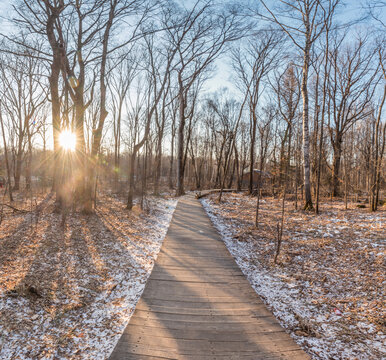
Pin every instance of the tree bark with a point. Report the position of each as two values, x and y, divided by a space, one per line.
336 167
306 137
6 158
252 149
180 145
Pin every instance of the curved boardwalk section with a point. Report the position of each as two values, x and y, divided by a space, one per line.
197 304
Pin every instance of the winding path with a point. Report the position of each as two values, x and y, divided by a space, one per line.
197 304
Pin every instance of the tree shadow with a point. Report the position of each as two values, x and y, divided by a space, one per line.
198 305
70 269
18 248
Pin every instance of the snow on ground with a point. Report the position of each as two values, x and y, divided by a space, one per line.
68 293
328 290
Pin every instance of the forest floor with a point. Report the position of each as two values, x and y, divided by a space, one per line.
68 292
328 288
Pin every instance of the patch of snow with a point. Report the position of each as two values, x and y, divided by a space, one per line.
91 331
287 302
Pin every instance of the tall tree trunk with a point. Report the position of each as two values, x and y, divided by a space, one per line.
336 167
81 162
55 114
252 150
97 134
379 150
306 137
133 156
158 152
28 163
237 166
171 163
180 147
6 157
232 175
117 146
17 176
116 167
379 164
319 163
158 165
131 179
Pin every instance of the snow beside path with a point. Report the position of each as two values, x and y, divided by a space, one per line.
69 294
316 316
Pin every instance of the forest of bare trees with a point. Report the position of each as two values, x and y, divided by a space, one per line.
304 109
192 179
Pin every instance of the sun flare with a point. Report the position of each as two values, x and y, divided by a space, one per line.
67 140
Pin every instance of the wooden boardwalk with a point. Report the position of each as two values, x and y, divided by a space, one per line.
197 304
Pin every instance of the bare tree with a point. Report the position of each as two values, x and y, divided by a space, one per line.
6 156
379 136
199 34
376 9
252 63
229 114
351 87
22 98
113 14
156 90
120 80
308 21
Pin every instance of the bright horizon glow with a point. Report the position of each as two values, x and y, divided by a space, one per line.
67 140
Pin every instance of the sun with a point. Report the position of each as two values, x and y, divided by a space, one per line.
67 140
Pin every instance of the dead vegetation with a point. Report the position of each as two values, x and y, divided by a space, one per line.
331 265
68 292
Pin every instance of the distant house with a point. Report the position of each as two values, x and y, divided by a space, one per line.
258 175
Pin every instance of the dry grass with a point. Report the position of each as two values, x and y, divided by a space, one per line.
335 260
68 292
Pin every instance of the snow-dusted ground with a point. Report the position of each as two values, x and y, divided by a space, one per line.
332 304
68 294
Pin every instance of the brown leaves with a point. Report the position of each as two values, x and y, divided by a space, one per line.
335 260
68 291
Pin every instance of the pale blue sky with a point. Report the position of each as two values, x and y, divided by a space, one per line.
222 77
352 10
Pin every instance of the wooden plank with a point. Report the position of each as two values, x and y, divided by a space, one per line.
198 305
268 325
204 345
214 310
204 304
211 335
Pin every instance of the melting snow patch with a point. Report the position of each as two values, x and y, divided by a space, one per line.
317 327
91 277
